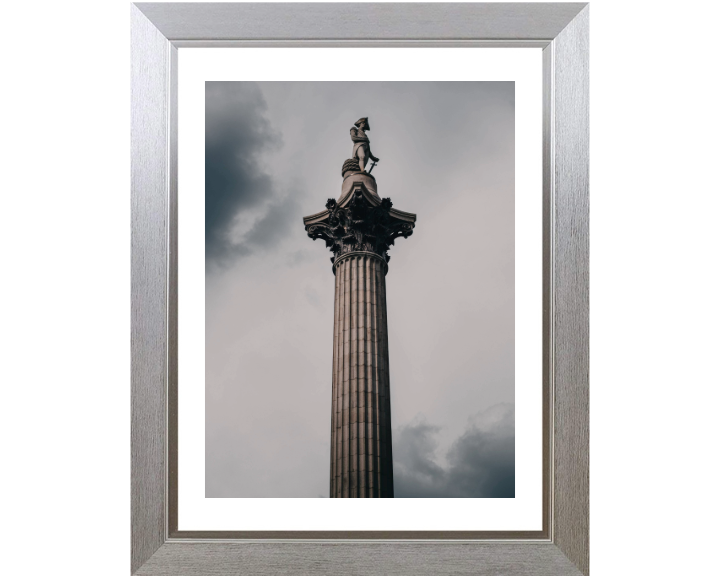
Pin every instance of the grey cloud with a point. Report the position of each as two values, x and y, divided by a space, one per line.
268 229
480 463
415 470
237 133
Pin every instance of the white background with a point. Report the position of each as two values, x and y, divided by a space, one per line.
524 511
64 221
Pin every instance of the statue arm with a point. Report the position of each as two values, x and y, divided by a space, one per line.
355 138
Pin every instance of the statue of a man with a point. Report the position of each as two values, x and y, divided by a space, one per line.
361 147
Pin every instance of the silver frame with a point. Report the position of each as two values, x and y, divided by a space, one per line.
157 31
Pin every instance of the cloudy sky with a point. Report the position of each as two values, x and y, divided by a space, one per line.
273 155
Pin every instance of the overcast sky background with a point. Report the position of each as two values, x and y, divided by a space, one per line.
273 155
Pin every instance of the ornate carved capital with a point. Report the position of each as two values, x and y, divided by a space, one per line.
360 222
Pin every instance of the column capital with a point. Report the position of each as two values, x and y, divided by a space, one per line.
359 222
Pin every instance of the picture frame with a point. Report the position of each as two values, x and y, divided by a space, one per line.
158 30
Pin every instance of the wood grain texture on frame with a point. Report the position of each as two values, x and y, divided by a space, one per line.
157 31
570 242
150 185
351 22
333 558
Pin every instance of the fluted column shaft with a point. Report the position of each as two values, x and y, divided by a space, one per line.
361 443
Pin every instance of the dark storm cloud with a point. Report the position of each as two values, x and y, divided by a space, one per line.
266 232
480 463
237 133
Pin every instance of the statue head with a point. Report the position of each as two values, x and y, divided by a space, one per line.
362 121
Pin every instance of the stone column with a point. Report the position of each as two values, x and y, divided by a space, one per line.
361 441
359 228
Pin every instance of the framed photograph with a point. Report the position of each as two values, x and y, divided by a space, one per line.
450 277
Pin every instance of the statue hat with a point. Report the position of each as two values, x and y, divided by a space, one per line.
367 124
